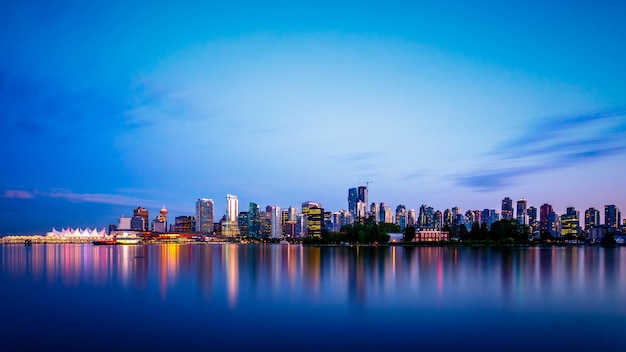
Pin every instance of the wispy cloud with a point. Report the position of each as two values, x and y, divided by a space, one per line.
550 143
113 199
17 194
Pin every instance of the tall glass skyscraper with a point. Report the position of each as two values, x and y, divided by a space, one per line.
612 217
204 215
522 216
507 208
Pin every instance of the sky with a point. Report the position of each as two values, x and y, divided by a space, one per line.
107 105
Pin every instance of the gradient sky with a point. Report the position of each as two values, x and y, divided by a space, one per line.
105 106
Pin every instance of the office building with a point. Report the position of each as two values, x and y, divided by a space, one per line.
204 215
143 213
507 208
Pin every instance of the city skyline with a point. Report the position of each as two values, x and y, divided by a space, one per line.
107 106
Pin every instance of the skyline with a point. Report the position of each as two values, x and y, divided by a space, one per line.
109 106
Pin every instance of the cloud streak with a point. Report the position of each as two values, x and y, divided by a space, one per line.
551 143
101 198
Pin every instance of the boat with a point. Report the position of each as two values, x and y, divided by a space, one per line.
104 242
127 239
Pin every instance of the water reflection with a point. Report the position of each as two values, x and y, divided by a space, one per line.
353 276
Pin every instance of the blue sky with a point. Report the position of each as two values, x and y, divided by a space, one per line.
105 106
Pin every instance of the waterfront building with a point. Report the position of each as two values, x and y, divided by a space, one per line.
230 226
346 218
544 212
204 215
182 223
612 218
507 208
143 213
137 223
412 217
401 217
301 224
570 223
448 218
592 219
374 211
276 228
426 217
522 215
353 198
255 223
242 222
533 222
554 224
314 215
431 235
266 225
124 223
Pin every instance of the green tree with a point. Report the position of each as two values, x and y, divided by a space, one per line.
409 233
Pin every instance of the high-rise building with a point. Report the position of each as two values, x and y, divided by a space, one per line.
182 224
230 225
374 211
401 216
570 223
137 223
232 207
554 224
448 218
533 222
353 198
276 228
143 213
592 219
426 217
412 217
544 212
242 222
612 217
124 223
522 215
507 208
314 215
255 221
204 215
357 203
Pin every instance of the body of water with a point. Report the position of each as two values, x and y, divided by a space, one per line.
284 297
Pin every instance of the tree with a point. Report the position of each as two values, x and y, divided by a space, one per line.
409 233
463 233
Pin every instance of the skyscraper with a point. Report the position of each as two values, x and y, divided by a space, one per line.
533 223
544 212
612 217
507 208
522 216
143 213
276 230
353 198
570 223
230 226
592 219
401 216
204 215
314 215
255 222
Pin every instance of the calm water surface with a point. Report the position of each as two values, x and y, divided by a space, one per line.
236 297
